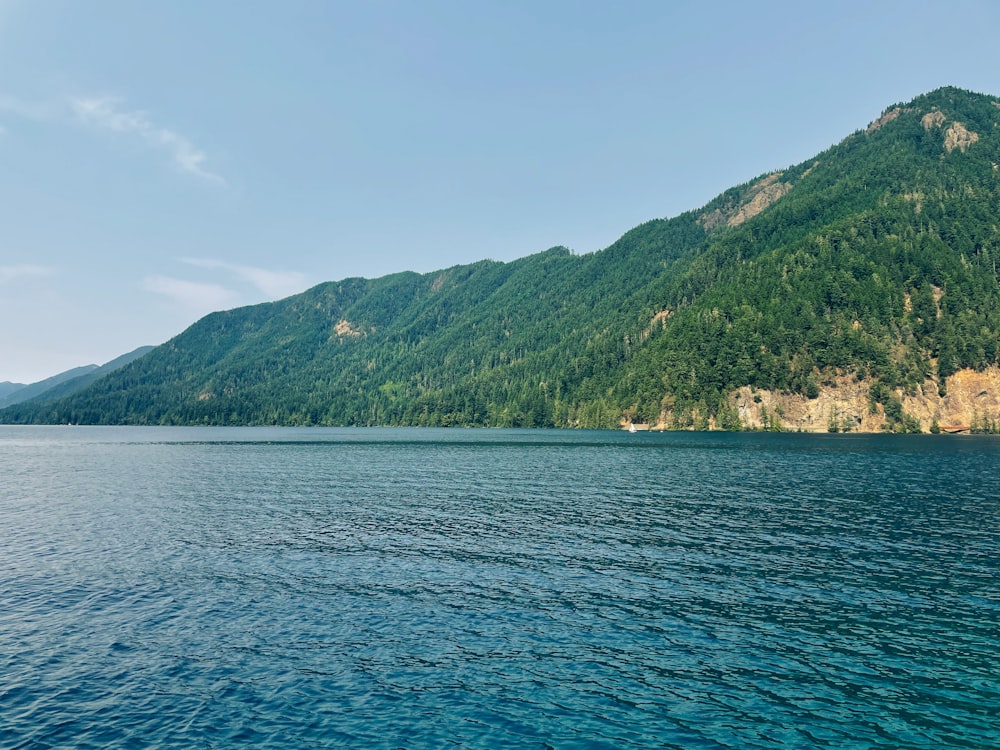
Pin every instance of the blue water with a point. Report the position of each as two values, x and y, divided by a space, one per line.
396 588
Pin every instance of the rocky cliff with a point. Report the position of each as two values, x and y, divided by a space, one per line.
971 401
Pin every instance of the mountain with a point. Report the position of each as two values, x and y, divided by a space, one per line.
69 382
7 388
33 390
856 290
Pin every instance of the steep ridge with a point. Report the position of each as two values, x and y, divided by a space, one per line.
879 264
33 390
69 382
869 270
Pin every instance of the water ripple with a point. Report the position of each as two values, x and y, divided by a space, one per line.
425 589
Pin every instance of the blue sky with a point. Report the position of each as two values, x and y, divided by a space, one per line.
163 159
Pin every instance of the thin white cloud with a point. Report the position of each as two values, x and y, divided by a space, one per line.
274 284
197 296
107 114
10 273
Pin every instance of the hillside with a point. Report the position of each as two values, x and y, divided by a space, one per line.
856 290
34 390
65 383
7 388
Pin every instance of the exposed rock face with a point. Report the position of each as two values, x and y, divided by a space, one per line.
958 137
439 282
844 405
759 196
933 119
971 397
885 119
346 328
712 219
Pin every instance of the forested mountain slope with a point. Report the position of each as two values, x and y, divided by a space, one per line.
870 267
69 382
33 390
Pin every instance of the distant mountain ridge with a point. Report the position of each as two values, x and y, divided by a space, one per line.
65 383
855 290
7 388
27 392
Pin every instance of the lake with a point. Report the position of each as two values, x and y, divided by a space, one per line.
419 588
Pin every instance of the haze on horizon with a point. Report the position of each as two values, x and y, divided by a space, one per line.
164 160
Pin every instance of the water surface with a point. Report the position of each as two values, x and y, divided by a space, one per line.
384 588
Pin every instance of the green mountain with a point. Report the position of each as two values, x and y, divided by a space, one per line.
33 390
7 388
856 290
65 383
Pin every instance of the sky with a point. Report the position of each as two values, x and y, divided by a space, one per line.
163 159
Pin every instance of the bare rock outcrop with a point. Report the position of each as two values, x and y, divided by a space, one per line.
972 398
956 136
761 195
933 119
346 329
758 196
887 117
